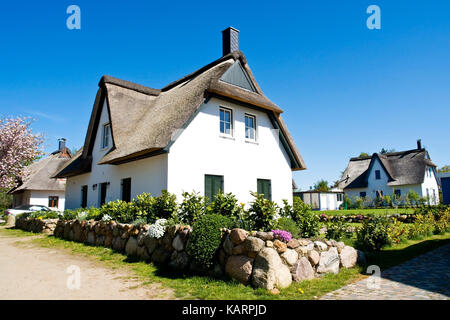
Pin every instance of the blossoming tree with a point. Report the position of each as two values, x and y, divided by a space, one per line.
18 148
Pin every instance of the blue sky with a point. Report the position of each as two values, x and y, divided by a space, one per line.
344 88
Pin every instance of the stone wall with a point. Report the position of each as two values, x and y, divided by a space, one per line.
265 262
36 225
251 258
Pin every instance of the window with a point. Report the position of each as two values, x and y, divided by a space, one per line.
264 187
434 196
53 202
106 134
377 174
226 121
362 194
250 127
84 191
398 193
103 187
126 189
340 197
213 184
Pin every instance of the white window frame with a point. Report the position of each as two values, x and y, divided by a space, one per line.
225 109
248 115
105 136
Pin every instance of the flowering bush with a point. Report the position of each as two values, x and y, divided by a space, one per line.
282 235
106 218
157 229
396 231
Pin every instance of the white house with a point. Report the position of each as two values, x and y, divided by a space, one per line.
39 188
321 200
392 173
211 130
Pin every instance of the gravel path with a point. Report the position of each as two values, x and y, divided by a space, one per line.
422 278
31 272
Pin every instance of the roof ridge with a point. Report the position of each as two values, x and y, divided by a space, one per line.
128 85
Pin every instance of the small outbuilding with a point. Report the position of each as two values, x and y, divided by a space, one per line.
321 200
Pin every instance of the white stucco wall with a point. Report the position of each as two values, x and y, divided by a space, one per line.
39 197
147 175
200 149
430 183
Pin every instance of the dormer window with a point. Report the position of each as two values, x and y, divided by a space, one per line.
105 135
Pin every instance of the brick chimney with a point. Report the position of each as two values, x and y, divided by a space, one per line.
230 40
419 144
62 144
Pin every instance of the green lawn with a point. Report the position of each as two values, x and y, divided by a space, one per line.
353 212
198 287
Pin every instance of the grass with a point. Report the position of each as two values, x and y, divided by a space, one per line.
354 212
200 287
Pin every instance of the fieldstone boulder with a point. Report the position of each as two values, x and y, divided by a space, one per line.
269 244
76 228
320 245
290 257
279 246
302 251
269 271
238 235
293 243
118 243
253 244
228 245
91 238
131 246
99 240
141 252
302 270
239 249
150 243
108 241
264 235
239 268
313 257
340 245
160 255
329 261
348 257
10 220
178 243
179 260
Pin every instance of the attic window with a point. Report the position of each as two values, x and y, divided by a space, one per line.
106 134
377 174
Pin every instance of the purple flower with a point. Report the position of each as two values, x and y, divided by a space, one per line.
283 235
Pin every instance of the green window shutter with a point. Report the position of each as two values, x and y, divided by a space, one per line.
264 187
213 184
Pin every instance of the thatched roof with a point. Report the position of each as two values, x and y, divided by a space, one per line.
40 173
403 168
144 120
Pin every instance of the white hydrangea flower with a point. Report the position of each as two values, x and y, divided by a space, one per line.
157 229
106 218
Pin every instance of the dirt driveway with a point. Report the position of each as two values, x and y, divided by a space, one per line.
31 272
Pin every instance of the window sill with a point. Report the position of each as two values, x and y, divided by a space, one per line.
251 141
227 137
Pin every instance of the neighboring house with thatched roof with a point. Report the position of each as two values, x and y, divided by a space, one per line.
39 187
211 130
393 173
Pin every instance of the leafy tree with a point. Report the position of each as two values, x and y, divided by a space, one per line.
444 169
384 151
321 185
363 154
18 148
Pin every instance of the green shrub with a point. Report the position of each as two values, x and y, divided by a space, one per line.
206 238
142 206
423 226
192 207
165 205
442 222
262 211
397 231
120 211
139 221
307 222
225 204
287 211
337 229
287 224
374 234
